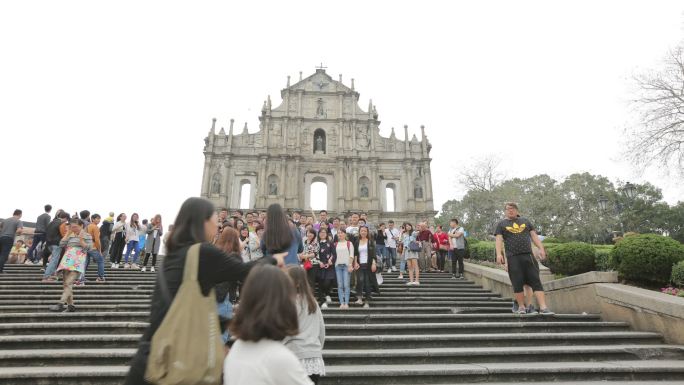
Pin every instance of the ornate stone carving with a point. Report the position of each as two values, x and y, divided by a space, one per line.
216 183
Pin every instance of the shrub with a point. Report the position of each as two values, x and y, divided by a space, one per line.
483 251
553 240
677 276
647 258
603 261
572 258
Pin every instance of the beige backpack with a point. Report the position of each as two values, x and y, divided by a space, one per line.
187 349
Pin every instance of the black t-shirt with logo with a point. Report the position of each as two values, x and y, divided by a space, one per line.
516 235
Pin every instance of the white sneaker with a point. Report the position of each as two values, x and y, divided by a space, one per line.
416 283
366 306
112 265
115 265
401 276
324 306
394 269
152 269
409 283
127 266
135 266
143 269
327 298
359 301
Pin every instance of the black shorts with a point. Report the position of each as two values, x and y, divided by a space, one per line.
523 269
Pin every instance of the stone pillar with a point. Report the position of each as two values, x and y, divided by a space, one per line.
228 166
355 183
206 176
284 131
340 98
261 188
428 186
299 100
339 179
374 187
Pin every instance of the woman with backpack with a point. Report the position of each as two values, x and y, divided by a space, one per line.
118 240
196 223
154 236
326 266
411 250
344 265
308 344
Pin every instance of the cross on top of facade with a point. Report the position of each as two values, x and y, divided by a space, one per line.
321 67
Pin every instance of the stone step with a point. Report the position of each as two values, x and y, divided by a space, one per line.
81 307
77 301
74 327
68 357
427 298
421 318
418 303
660 370
618 371
400 341
78 295
59 341
80 316
501 354
470 327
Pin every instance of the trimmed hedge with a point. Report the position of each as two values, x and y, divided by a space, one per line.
647 258
572 258
677 276
483 251
553 240
603 260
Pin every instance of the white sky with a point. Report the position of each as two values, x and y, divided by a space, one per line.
105 105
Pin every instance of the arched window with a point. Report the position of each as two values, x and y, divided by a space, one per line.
364 187
319 195
319 141
390 197
245 194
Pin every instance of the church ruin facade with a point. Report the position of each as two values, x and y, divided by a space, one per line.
319 133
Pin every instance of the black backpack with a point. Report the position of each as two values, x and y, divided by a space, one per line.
466 248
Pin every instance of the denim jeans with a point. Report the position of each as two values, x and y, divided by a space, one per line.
31 253
343 289
54 262
132 247
391 256
402 266
381 254
99 259
225 312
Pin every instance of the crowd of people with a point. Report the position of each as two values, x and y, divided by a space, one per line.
295 260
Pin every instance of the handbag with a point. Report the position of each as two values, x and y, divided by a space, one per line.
308 265
415 246
187 346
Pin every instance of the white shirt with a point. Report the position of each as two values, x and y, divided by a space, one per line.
391 242
363 252
266 362
344 250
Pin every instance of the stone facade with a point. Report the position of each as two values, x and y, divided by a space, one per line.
320 134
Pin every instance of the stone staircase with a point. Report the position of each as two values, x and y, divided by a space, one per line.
444 331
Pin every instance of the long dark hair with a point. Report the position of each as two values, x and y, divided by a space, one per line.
302 287
267 306
278 235
188 228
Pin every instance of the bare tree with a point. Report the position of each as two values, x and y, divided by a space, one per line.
658 138
483 174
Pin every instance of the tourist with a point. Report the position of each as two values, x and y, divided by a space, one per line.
326 267
244 243
95 252
267 315
142 236
106 234
42 222
392 237
333 228
132 229
516 234
196 222
409 239
119 240
365 264
226 292
280 237
352 228
56 230
442 241
254 242
76 244
9 228
310 257
456 236
238 214
18 253
251 226
380 249
425 253
308 344
222 220
344 264
154 236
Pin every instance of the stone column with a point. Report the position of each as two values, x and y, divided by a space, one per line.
228 166
340 98
374 187
428 186
261 188
355 183
339 179
206 177
299 100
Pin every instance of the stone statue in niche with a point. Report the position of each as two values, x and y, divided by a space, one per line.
364 191
272 188
216 183
319 143
362 139
418 192
320 109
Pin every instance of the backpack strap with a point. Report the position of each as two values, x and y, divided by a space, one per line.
191 263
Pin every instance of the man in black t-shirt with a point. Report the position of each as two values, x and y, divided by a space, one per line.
517 234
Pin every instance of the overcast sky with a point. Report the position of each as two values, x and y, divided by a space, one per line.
105 105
